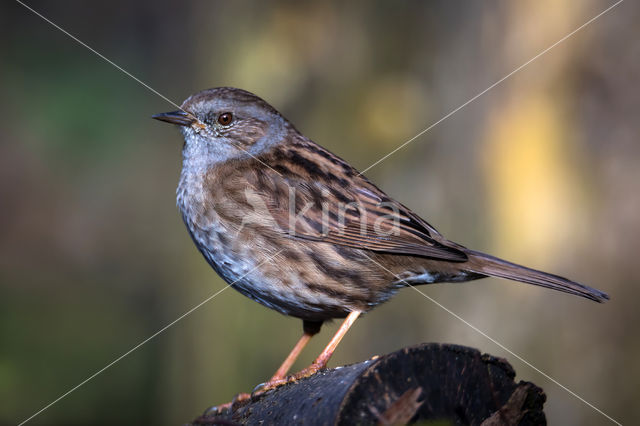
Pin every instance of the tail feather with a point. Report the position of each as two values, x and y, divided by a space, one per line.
492 266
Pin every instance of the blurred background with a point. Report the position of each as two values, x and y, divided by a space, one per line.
543 170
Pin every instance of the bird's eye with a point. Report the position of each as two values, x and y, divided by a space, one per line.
225 118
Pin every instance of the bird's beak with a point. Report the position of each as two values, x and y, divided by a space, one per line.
181 118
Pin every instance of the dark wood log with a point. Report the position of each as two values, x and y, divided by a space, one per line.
454 384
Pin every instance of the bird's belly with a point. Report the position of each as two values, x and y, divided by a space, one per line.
255 269
309 280
278 289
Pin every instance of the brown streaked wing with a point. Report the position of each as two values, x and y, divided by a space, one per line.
357 214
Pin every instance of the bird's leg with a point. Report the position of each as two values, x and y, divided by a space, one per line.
310 328
318 364
325 355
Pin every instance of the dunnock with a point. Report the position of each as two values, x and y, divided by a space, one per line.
296 228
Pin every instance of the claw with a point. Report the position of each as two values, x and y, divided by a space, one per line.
240 397
263 388
221 409
217 410
258 388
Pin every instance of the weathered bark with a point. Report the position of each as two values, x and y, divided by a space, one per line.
455 384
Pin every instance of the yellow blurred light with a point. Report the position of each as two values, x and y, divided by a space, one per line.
530 178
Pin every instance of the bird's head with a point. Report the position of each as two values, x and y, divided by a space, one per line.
226 123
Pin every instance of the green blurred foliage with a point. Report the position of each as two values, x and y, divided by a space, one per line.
94 258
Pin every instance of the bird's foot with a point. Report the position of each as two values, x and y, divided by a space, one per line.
276 381
309 371
222 409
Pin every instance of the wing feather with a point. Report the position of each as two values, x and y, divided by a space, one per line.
321 207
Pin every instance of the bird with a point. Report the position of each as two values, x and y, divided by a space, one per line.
296 228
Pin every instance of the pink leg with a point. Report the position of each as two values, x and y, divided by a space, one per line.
319 363
325 355
293 355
